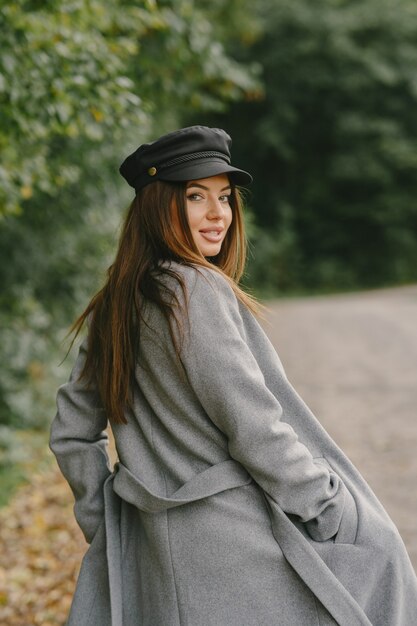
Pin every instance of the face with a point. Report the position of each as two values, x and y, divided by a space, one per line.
209 212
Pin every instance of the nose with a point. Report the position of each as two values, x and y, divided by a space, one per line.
216 208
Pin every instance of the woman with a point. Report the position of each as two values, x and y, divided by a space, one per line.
229 505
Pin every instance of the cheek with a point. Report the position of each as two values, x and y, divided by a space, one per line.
194 217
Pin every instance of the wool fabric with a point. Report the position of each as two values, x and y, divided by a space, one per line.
229 505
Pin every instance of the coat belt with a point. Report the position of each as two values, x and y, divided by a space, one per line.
217 478
297 549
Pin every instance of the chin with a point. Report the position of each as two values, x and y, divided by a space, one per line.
210 250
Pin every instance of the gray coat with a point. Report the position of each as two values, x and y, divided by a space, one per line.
230 505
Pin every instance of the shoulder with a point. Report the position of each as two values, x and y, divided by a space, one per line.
202 284
205 301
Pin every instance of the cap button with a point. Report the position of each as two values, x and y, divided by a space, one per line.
152 171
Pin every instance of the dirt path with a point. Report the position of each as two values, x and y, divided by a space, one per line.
353 359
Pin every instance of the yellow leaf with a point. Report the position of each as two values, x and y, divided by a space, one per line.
26 192
36 370
98 115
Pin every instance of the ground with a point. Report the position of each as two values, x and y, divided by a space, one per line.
353 358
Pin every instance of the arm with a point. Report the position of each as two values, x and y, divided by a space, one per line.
231 388
79 443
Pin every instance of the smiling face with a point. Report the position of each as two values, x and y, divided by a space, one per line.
209 212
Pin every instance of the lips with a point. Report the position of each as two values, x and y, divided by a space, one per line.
213 235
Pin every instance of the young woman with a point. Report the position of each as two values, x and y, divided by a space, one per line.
229 504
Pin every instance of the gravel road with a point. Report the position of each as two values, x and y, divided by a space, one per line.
353 359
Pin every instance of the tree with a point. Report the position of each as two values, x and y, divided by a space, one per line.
332 144
98 72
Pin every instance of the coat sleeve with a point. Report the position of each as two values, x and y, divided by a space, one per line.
231 388
79 442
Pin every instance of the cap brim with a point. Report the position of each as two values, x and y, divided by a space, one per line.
205 168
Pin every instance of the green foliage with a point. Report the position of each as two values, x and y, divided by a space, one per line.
20 453
82 83
334 139
63 74
273 260
90 72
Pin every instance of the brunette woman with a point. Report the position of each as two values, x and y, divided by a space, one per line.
229 504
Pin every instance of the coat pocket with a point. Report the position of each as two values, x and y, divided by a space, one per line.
348 528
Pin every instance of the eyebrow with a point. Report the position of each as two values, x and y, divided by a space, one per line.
206 188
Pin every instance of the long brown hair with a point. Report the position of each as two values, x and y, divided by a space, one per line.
149 237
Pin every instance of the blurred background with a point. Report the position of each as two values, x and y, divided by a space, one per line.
319 97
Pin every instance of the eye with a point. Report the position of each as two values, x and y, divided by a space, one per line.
194 197
225 198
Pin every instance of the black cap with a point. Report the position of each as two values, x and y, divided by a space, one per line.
186 154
